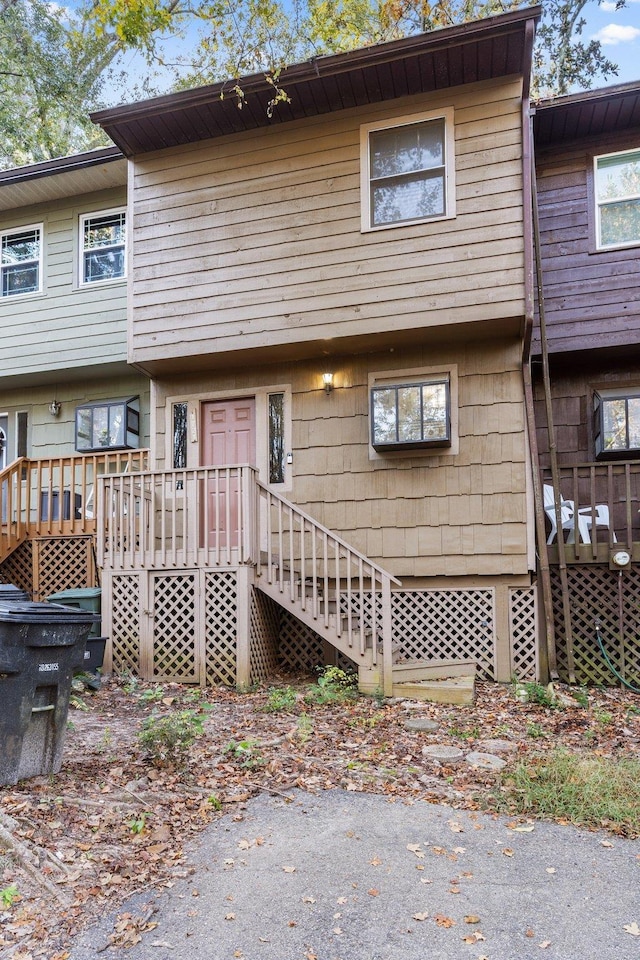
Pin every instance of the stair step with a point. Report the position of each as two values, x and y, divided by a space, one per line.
417 670
456 690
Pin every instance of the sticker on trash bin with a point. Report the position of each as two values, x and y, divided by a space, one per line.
48 667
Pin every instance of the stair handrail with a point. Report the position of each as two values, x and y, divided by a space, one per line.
13 526
333 549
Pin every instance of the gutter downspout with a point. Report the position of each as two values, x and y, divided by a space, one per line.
530 224
553 455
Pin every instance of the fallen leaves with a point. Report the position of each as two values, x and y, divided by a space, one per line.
86 812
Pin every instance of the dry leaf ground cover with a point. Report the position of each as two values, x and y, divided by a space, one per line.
121 815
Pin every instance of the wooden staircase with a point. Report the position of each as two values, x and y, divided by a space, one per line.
345 598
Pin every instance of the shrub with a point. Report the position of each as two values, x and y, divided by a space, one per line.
167 739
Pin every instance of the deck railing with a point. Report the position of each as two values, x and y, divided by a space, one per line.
323 576
616 485
56 496
205 517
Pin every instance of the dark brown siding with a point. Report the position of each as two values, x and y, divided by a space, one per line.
572 387
592 299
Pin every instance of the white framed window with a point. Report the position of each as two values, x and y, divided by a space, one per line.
617 199
21 260
102 246
407 170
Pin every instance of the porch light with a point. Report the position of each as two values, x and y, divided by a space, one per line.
54 408
327 379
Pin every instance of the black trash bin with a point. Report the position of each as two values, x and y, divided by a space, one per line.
41 646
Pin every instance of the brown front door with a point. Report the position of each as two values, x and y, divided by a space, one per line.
228 439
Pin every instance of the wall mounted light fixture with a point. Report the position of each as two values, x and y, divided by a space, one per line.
327 379
54 408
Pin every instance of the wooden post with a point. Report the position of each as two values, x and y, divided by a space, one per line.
244 587
387 639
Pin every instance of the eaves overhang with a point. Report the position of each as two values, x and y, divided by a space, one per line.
585 115
61 177
487 49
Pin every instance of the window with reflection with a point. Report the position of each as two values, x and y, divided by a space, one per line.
617 425
617 187
112 425
409 416
103 238
408 171
21 261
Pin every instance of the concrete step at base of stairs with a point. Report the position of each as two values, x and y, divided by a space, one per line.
414 670
459 691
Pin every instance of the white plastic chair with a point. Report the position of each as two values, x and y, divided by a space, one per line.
568 516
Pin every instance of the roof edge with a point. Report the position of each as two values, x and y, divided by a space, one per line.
325 66
47 168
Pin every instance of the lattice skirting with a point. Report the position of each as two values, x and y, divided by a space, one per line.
182 625
523 623
264 629
434 625
49 565
594 595
179 626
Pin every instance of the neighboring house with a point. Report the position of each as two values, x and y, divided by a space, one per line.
332 298
63 363
587 148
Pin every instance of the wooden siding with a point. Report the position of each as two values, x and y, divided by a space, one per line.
66 327
49 437
441 514
254 240
572 404
592 299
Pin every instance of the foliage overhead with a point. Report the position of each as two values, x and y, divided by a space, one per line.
57 63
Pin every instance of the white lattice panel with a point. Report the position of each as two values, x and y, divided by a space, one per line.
175 627
221 626
445 625
523 633
264 626
125 640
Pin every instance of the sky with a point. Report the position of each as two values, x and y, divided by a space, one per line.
619 33
617 30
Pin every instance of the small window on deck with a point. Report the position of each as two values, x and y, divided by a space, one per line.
112 425
617 425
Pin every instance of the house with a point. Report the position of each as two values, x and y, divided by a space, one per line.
586 374
64 374
332 299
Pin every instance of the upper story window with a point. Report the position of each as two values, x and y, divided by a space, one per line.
407 416
102 246
408 171
617 189
617 424
21 260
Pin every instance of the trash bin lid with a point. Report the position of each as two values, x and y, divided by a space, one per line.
79 593
32 611
9 591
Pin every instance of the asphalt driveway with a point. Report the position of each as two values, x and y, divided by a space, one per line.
352 876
